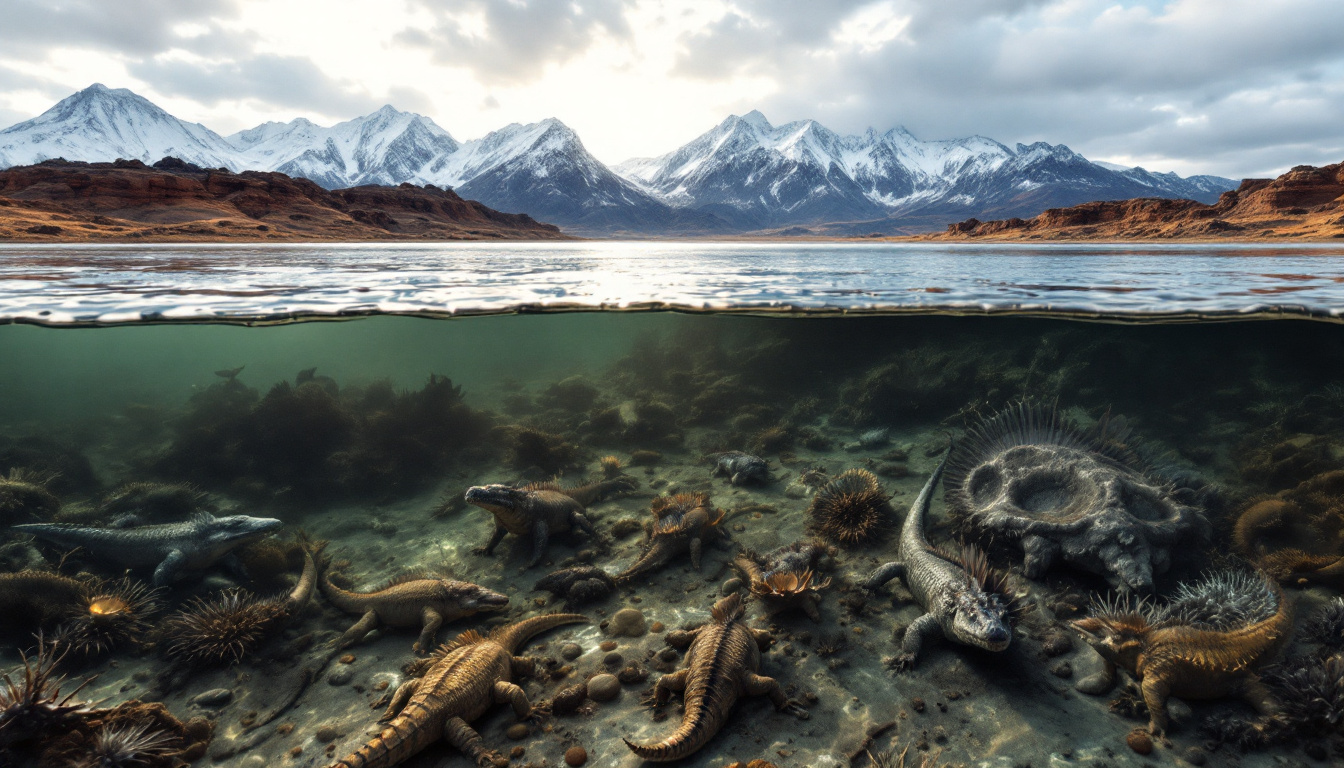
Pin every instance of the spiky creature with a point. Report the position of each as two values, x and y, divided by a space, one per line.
611 466
1327 625
851 509
221 629
24 497
1310 694
32 705
124 746
112 614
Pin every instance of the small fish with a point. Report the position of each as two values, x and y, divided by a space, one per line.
230 373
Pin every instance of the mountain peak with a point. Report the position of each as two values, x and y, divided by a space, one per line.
755 119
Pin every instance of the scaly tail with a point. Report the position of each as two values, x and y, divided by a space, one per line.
398 742
693 733
303 591
913 530
513 636
650 559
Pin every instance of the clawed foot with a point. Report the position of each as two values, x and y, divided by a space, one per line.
649 699
482 551
540 712
902 663
491 759
796 709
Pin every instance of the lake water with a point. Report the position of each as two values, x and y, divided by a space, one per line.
1096 463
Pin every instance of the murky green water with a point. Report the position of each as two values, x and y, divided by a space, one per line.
367 433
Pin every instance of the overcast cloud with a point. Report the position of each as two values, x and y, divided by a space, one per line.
1232 87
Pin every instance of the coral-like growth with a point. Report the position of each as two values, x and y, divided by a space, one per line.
1297 535
152 502
550 453
852 508
1326 626
1310 694
24 498
31 703
611 466
112 614
221 629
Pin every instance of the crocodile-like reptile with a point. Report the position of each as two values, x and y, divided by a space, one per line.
961 594
410 600
1172 653
721 666
540 509
171 548
452 689
786 577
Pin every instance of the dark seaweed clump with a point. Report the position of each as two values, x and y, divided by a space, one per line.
318 441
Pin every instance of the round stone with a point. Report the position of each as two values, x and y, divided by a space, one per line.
571 651
215 697
628 622
517 731
576 756
342 676
327 734
604 687
730 586
613 659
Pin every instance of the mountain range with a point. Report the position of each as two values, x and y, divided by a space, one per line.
743 175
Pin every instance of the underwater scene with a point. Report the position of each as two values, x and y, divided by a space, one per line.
618 538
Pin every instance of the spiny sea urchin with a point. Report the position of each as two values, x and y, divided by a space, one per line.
1326 626
851 509
1310 693
219 629
611 466
113 613
32 705
123 746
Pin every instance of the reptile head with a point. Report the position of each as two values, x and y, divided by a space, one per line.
237 529
1118 642
495 497
473 597
981 620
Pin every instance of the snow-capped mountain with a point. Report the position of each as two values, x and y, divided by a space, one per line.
100 124
744 174
758 175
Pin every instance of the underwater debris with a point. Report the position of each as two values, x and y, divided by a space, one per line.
721 666
786 578
24 497
1297 536
541 509
171 549
681 523
741 468
409 600
112 614
1310 694
851 509
578 585
1030 476
452 689
1326 626
965 599
1182 650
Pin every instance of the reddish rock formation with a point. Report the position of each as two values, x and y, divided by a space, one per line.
1306 203
177 201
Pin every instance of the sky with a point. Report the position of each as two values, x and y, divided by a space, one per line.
1232 87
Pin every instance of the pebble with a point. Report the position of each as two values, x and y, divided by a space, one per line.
1056 644
657 627
1195 756
569 699
1139 741
348 658
215 697
571 651
668 654
342 676
517 752
1063 670
576 756
632 674
255 761
607 645
613 659
517 731
604 687
917 704
327 734
730 586
628 622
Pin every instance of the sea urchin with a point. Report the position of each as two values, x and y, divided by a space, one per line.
851 509
221 629
112 614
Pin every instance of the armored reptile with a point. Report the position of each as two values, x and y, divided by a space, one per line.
171 548
786 577
452 689
681 524
540 509
721 666
960 593
1207 644
411 600
741 468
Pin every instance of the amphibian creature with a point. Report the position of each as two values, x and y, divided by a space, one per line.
681 523
1206 644
961 594
540 509
1029 476
454 687
786 578
410 601
172 549
742 468
721 666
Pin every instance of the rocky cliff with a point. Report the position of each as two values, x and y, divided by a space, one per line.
1307 202
177 201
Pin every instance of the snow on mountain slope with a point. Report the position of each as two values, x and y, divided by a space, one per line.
102 124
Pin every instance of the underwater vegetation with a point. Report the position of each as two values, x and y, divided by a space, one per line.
1297 535
24 497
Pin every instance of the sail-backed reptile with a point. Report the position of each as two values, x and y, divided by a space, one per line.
456 686
540 509
721 666
1177 652
411 600
959 592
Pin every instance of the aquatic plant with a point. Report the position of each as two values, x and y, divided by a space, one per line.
532 448
24 497
31 702
1326 626
851 509
1298 534
65 468
152 502
219 629
575 394
112 614
35 601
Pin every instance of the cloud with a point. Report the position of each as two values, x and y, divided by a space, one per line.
1194 83
132 27
512 41
291 82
